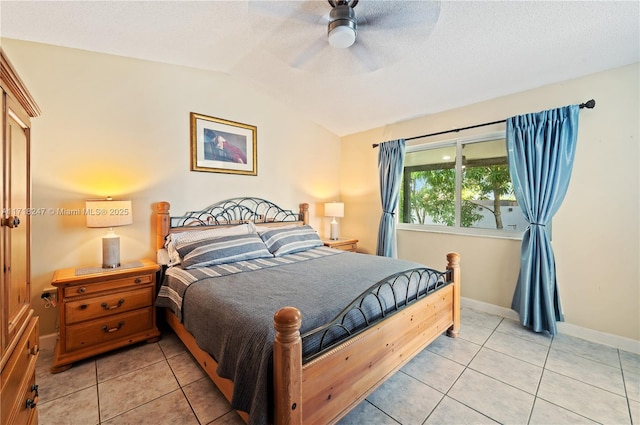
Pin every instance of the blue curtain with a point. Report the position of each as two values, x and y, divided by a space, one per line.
390 164
540 152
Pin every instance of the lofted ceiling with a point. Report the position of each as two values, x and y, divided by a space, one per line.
411 58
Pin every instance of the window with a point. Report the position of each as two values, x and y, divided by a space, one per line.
461 185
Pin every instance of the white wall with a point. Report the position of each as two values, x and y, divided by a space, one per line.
596 232
117 126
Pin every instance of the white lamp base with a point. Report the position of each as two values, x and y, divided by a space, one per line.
110 250
334 229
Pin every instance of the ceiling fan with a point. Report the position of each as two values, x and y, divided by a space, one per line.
335 39
343 24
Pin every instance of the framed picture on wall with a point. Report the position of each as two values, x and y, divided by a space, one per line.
223 146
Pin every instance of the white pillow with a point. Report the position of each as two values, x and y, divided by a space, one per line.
198 235
162 257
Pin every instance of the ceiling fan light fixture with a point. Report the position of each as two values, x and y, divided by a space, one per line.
343 26
342 37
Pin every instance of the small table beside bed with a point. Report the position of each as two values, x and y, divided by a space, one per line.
292 331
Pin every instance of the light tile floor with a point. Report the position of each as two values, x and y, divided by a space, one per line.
495 372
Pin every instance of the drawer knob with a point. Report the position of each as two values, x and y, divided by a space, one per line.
105 329
34 350
32 402
82 290
138 280
107 307
11 222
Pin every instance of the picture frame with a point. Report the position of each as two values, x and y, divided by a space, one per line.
223 146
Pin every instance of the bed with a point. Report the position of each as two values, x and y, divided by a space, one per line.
291 331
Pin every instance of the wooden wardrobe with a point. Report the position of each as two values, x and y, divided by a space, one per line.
19 332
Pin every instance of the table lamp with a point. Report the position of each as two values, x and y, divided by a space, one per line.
109 213
334 209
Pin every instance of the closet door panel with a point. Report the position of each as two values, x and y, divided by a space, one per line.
16 228
4 313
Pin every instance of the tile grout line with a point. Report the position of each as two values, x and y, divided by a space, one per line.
186 398
624 387
537 397
182 387
382 411
446 394
148 401
544 368
95 364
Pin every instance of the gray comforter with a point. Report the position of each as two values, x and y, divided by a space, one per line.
231 316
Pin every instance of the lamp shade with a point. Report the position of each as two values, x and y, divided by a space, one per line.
334 209
108 213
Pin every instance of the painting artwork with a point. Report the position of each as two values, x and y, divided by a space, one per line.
223 146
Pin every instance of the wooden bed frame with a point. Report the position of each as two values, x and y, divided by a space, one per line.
326 388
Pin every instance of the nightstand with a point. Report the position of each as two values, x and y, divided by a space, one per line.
102 309
343 244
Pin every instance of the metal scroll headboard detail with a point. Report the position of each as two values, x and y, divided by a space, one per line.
381 300
236 211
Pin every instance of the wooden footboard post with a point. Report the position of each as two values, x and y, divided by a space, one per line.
453 264
162 223
304 213
287 367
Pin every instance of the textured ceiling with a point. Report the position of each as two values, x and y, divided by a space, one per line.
411 58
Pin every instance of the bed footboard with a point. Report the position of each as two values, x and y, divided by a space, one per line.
453 266
287 363
324 389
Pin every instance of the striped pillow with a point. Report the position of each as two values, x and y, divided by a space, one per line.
173 239
226 249
282 241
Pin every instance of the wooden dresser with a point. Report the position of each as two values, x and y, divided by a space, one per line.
19 332
101 310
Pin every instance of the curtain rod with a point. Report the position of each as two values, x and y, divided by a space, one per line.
589 104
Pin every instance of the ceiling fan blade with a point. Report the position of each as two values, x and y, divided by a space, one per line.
309 53
308 12
289 29
398 14
365 55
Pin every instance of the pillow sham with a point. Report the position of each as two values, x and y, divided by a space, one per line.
222 250
287 240
197 235
162 257
262 229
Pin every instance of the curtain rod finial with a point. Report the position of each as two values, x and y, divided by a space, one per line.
589 104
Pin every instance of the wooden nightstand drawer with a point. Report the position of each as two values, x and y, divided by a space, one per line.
106 285
106 305
108 329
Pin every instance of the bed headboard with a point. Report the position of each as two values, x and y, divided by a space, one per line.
229 212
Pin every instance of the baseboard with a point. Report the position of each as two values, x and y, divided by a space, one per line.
489 308
622 343
48 342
